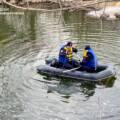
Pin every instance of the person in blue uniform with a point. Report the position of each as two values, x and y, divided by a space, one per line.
90 61
66 56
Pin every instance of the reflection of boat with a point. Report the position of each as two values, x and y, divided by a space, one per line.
102 72
66 87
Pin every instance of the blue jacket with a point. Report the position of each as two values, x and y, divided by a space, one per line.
91 61
62 56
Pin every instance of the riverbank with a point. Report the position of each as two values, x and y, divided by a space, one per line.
73 5
69 5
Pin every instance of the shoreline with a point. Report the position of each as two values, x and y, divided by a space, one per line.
52 5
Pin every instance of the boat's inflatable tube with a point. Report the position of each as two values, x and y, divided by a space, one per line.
104 72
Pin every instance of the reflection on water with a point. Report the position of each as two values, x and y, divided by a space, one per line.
67 87
25 42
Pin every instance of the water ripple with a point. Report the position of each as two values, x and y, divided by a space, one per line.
24 94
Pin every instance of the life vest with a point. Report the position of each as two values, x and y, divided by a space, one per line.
93 62
85 53
69 53
65 54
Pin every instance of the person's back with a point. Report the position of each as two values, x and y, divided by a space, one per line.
89 61
62 55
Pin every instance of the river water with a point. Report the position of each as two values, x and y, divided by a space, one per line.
27 40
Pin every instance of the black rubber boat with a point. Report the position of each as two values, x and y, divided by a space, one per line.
102 72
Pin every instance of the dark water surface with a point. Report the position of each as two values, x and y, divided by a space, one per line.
27 40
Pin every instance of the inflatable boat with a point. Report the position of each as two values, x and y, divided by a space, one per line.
102 72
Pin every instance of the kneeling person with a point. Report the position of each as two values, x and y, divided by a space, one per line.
89 62
66 56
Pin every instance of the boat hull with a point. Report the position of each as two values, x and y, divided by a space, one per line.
75 74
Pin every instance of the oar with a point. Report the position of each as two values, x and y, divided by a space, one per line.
65 71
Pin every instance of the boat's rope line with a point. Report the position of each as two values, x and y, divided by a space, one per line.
45 10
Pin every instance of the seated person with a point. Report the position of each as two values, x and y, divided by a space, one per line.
66 56
89 62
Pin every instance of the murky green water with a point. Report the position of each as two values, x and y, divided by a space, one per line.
26 40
